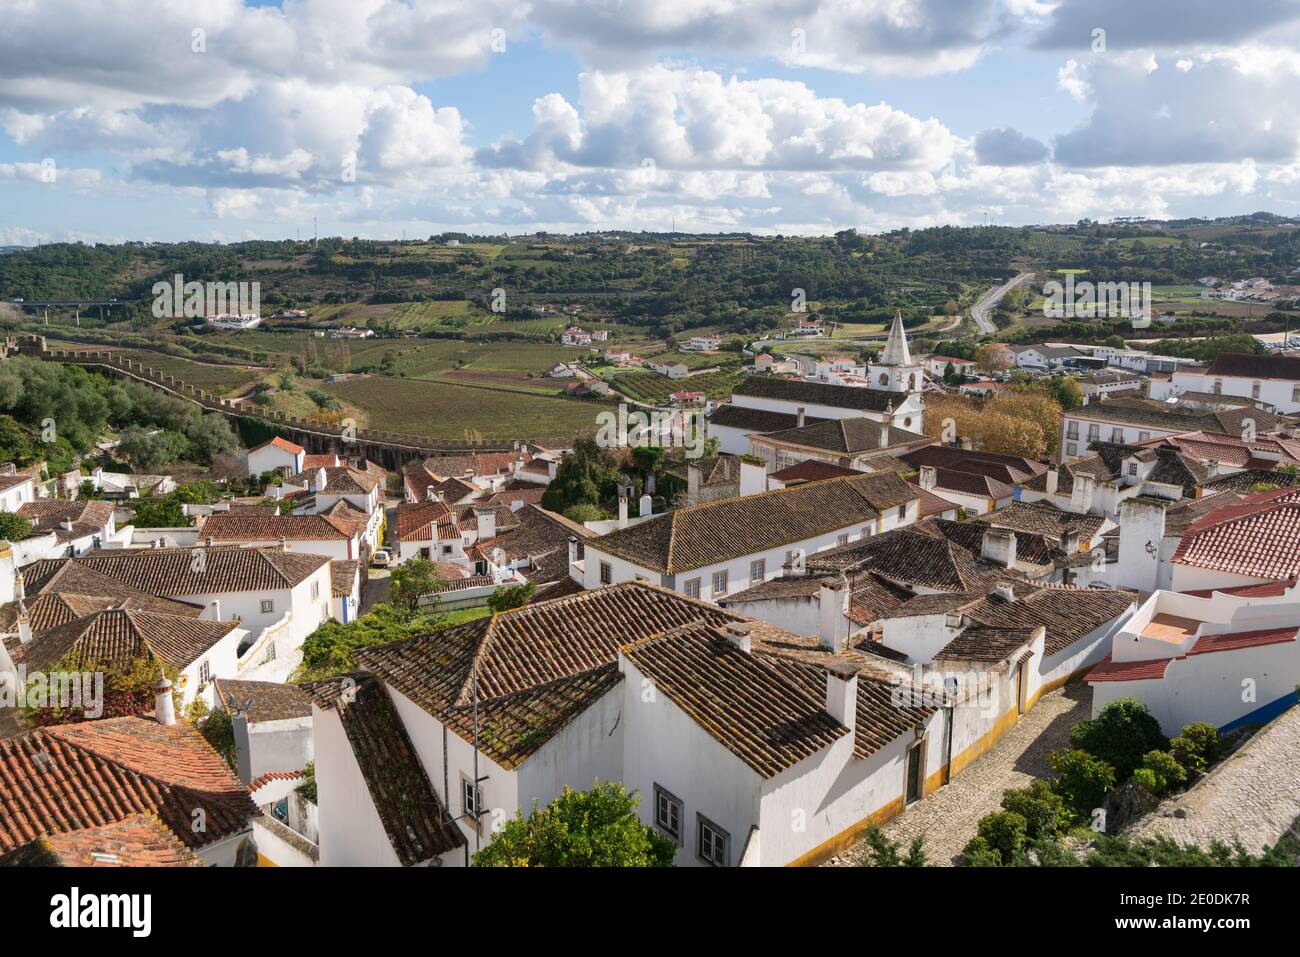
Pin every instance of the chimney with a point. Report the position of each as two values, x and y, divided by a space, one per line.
832 614
1081 493
487 523
1005 591
1053 476
884 436
24 626
283 543
842 693
737 632
164 708
753 477
692 484
573 550
799 417
66 524
999 547
1070 541
214 607
929 475
966 444
646 506
622 511
321 480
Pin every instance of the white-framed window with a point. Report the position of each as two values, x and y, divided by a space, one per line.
1117 434
606 573
902 512
713 844
866 531
668 813
1218 386
1295 393
692 588
471 799
1143 436
1072 429
757 570
1133 469
843 539
205 672
268 606
1094 432
720 583
315 590
1071 449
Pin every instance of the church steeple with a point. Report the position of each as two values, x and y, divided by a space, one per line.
896 352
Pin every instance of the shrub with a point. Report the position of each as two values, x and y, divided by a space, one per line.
1043 809
1005 833
883 852
1123 732
979 853
1169 775
13 526
1082 780
1197 747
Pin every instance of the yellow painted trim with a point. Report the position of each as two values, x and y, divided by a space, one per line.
264 861
960 761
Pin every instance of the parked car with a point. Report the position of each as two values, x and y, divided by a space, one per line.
381 558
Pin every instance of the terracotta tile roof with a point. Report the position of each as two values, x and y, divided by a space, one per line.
534 668
817 393
138 840
74 776
272 701
280 443
343 576
1008 469
525 496
970 483
1209 644
456 490
1066 613
537 534
1255 537
1255 367
170 571
414 818
120 637
264 779
243 525
1175 417
847 436
1264 590
1245 480
1265 452
9 481
812 470
1044 518
417 520
1109 669
699 535
326 461
505 517
931 504
88 517
339 480
756 420
1031 549
483 463
768 721
53 608
909 557
986 644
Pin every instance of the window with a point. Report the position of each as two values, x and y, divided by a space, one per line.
843 539
902 512
606 573
471 799
205 673
1094 432
866 531
280 810
315 590
719 583
425 553
268 606
714 843
1071 449
1133 469
757 570
446 549
1143 436
1117 434
693 588
1218 386
668 814
270 653
1295 393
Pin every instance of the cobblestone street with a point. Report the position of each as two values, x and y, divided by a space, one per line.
947 818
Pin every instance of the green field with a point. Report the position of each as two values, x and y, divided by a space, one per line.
454 412
201 375
653 388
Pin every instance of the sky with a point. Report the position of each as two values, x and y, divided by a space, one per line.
225 120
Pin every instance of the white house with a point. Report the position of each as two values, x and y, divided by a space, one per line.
338 535
278 453
684 551
702 344
1228 657
271 723
15 490
78 526
1272 380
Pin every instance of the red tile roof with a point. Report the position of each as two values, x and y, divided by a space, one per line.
74 776
1263 590
1255 536
812 470
138 840
1111 670
1208 644
280 443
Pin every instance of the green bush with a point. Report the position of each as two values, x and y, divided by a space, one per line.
1168 774
1042 808
1123 732
1082 780
1147 778
1005 833
979 853
883 852
1197 747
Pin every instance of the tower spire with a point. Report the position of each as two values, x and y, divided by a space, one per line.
896 352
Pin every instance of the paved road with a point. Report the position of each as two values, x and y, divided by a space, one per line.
948 817
980 311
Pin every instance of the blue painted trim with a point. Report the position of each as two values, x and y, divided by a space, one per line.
1264 714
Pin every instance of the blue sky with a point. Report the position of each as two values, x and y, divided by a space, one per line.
224 120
